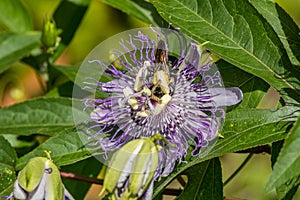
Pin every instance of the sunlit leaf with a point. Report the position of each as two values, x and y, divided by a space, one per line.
287 30
66 148
243 129
43 115
204 181
287 190
288 163
237 33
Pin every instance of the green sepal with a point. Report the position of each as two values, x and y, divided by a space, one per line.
40 175
119 160
135 162
54 187
30 176
144 167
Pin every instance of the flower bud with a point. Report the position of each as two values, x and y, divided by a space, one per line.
50 34
131 170
39 179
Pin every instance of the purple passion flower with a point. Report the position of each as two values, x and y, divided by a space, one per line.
159 82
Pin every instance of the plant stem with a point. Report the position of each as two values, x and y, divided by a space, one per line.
238 169
67 175
76 177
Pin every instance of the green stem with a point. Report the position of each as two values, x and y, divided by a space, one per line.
67 175
238 169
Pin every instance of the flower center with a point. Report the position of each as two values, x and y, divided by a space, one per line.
151 90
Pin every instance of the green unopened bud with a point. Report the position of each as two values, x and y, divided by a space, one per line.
40 179
132 169
50 34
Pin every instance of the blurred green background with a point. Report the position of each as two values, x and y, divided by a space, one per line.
101 22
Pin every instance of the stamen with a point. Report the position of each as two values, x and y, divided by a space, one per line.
164 102
133 103
144 113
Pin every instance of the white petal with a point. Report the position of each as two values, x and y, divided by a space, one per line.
39 192
67 194
19 193
224 96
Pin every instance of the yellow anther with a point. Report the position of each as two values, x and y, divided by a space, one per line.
146 91
143 113
133 103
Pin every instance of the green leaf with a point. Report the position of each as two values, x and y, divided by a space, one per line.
89 167
69 72
287 190
8 160
68 17
42 115
14 46
66 148
288 162
53 93
139 9
14 17
247 128
284 26
243 129
204 181
276 147
21 143
236 32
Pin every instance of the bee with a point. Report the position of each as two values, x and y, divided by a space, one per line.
153 81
